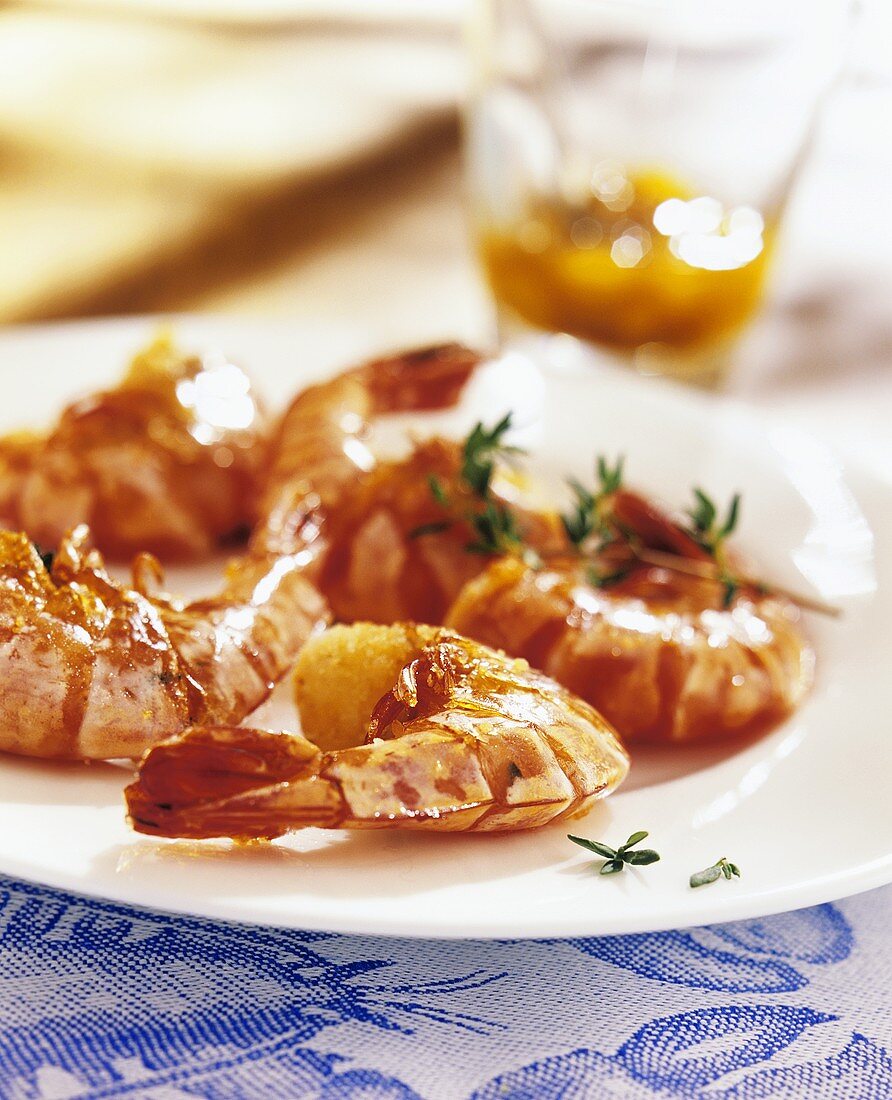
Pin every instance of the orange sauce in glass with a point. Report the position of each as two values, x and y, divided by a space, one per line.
643 260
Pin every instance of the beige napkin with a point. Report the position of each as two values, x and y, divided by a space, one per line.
134 152
442 13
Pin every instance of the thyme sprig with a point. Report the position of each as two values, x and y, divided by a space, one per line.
708 530
590 527
589 518
481 450
711 532
617 858
582 522
721 867
609 550
709 571
496 530
494 524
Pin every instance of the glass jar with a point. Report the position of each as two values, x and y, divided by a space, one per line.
629 163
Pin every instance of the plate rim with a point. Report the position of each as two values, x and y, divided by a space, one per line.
732 909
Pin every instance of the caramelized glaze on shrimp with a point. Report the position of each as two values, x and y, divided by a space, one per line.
320 453
449 735
92 669
390 555
656 652
96 670
168 462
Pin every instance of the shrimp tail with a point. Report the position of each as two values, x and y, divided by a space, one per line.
223 781
319 448
251 784
427 378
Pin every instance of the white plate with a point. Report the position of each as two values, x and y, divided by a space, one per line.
805 812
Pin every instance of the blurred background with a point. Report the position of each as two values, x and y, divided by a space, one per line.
303 160
264 157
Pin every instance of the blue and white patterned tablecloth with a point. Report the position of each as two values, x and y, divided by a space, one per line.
99 1000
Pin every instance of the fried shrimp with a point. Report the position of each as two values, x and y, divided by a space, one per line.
320 452
441 733
95 670
376 560
393 556
655 650
169 461
398 533
92 669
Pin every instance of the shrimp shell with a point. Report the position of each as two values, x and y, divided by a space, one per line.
167 462
656 653
463 739
391 557
319 450
95 670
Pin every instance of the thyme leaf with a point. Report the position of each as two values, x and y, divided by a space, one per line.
438 490
496 530
711 533
708 530
703 513
580 523
730 588
610 477
716 871
618 858
495 524
594 846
